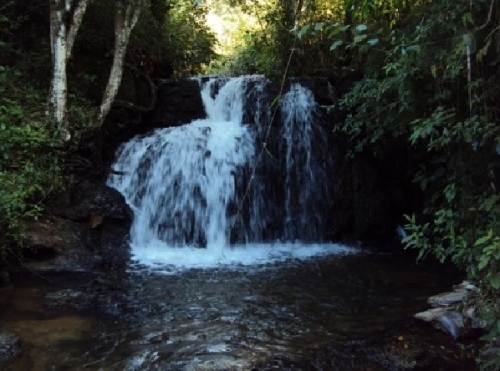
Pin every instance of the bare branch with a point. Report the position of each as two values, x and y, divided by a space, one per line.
489 16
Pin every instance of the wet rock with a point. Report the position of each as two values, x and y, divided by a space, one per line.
59 245
179 102
10 346
94 204
448 313
449 298
69 299
431 314
87 228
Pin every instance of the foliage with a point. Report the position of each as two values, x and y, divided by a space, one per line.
29 162
169 38
189 42
421 89
246 45
289 34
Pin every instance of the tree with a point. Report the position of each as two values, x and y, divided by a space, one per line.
126 16
65 19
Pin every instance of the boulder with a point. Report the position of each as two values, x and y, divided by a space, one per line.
449 298
448 313
59 245
10 346
94 203
87 228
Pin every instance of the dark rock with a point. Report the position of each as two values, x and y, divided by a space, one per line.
67 300
179 102
87 229
94 234
59 245
114 249
94 203
10 346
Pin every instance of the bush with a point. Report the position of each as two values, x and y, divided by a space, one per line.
30 168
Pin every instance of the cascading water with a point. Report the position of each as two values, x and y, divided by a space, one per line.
305 180
196 186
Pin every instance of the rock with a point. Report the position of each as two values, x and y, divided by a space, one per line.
69 299
445 319
59 245
451 322
179 102
430 314
10 346
449 313
449 298
465 285
94 204
472 316
87 226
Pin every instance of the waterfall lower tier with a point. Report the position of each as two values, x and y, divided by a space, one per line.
234 178
181 182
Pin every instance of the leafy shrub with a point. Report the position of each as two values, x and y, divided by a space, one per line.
29 160
429 94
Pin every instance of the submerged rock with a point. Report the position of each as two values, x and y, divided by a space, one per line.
69 299
10 346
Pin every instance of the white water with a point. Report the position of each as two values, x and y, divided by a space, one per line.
298 114
181 183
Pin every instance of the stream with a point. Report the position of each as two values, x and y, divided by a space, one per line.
226 318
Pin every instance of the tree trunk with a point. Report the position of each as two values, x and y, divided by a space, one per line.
62 38
126 16
59 49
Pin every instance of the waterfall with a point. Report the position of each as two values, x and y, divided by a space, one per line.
200 185
305 179
180 181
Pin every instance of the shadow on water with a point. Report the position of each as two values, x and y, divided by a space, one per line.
314 312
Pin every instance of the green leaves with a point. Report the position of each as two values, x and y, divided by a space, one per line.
422 100
361 27
489 260
336 44
29 167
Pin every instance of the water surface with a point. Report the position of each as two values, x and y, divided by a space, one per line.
225 317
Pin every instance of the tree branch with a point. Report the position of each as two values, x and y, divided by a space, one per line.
489 16
77 18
